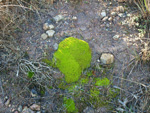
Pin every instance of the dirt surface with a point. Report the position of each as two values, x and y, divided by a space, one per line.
90 27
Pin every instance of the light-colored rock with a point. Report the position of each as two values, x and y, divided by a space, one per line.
19 108
35 107
45 26
103 13
113 14
50 33
44 36
7 102
58 18
74 18
34 93
121 15
55 46
116 37
120 9
110 19
88 110
105 19
27 110
107 58
51 27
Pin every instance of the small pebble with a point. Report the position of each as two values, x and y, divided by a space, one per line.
55 46
107 58
74 18
110 18
44 36
103 13
35 107
7 102
20 108
105 19
58 18
113 13
120 9
116 37
50 33
46 26
51 27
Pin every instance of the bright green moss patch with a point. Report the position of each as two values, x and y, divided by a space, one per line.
70 105
84 80
94 92
72 57
102 82
30 74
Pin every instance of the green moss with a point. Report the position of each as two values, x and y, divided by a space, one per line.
113 93
30 74
102 82
73 55
48 62
96 99
94 92
84 80
70 105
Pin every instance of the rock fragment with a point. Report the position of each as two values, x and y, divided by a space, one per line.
44 36
116 37
55 46
50 33
27 110
107 58
103 13
35 107
45 26
58 18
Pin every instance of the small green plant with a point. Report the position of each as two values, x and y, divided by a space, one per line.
72 57
30 74
70 105
102 82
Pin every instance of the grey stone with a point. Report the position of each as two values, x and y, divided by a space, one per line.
113 13
7 102
35 107
88 110
103 13
107 58
45 26
27 110
74 18
44 36
55 46
116 37
20 108
34 93
121 15
120 9
105 19
58 18
50 33
51 27
110 18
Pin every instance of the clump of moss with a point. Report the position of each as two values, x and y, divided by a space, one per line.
102 82
70 105
72 57
84 80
